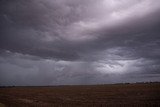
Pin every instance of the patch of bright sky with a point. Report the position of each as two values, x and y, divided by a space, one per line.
120 67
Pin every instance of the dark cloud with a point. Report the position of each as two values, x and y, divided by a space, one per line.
87 41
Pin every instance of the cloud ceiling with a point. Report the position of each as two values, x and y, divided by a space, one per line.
79 42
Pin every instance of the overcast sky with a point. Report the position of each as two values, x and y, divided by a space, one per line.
60 42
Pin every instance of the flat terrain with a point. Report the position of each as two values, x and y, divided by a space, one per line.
116 95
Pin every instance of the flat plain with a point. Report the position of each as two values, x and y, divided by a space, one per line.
111 95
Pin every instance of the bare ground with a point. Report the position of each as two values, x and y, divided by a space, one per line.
117 95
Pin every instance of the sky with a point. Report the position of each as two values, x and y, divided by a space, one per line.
73 42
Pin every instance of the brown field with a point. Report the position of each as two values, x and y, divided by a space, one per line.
117 95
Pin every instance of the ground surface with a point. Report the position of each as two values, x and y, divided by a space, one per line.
118 95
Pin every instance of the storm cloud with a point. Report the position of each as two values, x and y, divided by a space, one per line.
79 42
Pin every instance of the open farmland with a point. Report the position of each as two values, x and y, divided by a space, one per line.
121 95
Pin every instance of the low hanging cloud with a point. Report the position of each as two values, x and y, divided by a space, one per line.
19 69
79 42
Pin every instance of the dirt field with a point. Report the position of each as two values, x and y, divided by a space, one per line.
117 95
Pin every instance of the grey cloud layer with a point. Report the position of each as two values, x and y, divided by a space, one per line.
19 69
104 35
